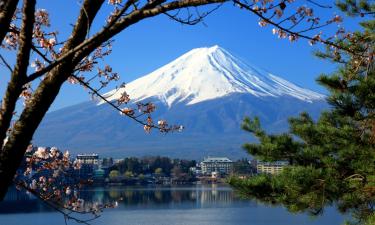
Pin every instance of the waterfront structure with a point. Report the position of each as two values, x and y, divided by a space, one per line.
92 159
196 170
221 165
88 163
270 167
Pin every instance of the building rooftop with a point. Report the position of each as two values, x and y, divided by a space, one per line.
216 159
87 155
276 163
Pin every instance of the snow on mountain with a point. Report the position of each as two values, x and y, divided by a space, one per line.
209 73
215 92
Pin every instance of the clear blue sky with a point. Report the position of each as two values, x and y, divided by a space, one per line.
152 43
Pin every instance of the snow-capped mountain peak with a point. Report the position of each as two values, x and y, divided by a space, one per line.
209 73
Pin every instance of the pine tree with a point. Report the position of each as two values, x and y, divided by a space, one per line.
331 160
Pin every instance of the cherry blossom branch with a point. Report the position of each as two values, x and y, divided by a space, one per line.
295 34
53 206
114 28
147 125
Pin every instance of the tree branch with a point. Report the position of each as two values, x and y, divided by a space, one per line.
7 10
6 64
23 130
288 31
18 76
111 30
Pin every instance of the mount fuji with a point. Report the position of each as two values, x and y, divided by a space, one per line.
208 90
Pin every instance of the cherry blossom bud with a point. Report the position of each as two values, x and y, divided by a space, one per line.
52 41
29 148
33 184
262 23
114 2
149 121
28 171
41 153
147 128
72 80
68 191
66 154
42 179
337 19
293 37
309 11
127 111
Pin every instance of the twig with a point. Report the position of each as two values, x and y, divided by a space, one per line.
6 64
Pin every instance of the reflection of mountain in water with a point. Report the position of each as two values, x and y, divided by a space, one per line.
136 197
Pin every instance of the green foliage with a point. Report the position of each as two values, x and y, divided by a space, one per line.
331 160
128 174
242 167
158 171
148 165
114 174
355 7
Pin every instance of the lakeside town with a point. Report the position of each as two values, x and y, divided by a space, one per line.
97 171
164 170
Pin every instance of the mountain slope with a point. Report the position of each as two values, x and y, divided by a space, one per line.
207 90
208 73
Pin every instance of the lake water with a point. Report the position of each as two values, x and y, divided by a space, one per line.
178 205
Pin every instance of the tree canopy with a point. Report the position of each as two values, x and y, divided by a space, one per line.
331 159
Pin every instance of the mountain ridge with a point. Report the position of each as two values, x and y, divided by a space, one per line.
212 121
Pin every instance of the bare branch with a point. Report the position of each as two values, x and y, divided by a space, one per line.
60 209
319 5
6 63
190 19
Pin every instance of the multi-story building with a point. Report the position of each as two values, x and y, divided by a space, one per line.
221 165
270 167
92 159
88 164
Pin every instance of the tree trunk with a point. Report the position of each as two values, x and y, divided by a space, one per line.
18 76
13 151
7 9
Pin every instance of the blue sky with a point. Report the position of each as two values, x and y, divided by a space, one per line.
152 43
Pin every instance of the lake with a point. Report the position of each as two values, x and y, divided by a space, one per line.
163 205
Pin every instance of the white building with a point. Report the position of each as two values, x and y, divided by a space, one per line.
92 159
270 167
221 165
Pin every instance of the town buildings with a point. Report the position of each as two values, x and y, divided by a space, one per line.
270 167
216 165
88 163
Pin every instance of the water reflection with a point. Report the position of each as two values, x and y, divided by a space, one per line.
200 196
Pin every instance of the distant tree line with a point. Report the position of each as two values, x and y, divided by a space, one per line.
132 166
